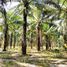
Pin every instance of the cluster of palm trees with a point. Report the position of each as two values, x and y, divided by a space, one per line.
38 18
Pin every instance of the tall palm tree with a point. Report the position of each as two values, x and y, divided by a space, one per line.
25 12
2 2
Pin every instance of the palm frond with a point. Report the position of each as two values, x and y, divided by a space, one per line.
53 3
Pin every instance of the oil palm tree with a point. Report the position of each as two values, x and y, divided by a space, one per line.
2 2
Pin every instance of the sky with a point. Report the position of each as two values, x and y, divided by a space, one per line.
10 5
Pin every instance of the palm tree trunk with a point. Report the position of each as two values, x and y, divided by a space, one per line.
24 45
14 41
39 37
48 43
65 39
5 32
11 36
31 41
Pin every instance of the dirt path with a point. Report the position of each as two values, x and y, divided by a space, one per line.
36 58
17 62
57 63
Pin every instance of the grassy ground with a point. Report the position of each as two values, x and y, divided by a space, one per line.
13 58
